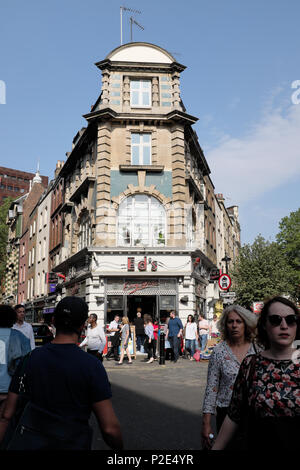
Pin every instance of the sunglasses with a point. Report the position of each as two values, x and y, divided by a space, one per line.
275 320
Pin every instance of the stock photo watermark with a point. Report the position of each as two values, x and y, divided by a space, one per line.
2 92
296 95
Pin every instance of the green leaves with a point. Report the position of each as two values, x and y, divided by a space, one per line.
288 239
261 271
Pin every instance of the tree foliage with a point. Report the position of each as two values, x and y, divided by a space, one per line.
288 239
261 271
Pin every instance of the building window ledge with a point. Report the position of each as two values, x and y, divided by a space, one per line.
147 168
82 189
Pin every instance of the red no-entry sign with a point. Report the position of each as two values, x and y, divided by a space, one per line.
224 281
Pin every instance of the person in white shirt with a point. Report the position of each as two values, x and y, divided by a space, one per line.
23 326
203 332
114 331
191 336
95 338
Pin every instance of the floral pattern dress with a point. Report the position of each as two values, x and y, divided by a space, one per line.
268 393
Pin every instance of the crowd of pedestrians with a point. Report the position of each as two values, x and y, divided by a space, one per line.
47 394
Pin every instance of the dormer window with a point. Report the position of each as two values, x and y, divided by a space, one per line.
140 93
140 149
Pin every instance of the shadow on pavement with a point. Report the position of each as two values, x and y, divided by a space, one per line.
151 424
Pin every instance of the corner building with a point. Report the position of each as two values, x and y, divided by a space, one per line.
133 210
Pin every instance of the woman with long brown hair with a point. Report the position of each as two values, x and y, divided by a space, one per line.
266 391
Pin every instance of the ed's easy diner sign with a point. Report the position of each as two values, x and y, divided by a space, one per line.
141 265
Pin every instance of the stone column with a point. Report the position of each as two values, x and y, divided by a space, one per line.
177 216
105 227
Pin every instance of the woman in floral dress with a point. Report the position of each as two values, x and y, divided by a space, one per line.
266 394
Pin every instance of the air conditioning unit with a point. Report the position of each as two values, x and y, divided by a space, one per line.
19 210
11 214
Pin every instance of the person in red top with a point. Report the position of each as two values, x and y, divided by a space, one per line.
155 333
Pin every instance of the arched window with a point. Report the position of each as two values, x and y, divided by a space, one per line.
141 222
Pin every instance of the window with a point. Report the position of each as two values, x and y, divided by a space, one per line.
85 233
140 149
44 248
40 252
140 93
141 222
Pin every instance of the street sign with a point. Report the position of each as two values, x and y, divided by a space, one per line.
227 294
224 281
214 275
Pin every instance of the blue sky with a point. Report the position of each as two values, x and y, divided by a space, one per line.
241 58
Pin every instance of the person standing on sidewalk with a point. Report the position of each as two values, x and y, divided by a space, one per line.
149 330
126 335
67 385
191 335
114 338
95 338
155 333
203 332
139 329
23 326
174 333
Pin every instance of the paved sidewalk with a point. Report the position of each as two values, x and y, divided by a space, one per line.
159 406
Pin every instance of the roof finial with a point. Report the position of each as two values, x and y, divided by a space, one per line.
37 178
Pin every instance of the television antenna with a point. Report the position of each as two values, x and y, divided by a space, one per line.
132 20
123 8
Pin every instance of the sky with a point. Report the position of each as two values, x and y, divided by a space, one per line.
242 59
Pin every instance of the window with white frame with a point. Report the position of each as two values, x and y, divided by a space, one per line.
140 148
140 93
141 222
85 232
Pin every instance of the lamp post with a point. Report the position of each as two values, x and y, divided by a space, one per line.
226 259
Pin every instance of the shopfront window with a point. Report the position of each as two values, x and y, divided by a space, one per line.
141 222
167 303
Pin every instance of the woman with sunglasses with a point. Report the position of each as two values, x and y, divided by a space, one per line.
266 394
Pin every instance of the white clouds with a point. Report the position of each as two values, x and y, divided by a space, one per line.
263 159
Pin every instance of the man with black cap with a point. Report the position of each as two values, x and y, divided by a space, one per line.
67 383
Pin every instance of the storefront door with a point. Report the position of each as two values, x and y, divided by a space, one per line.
147 303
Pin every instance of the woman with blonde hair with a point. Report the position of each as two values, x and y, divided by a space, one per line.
237 329
125 335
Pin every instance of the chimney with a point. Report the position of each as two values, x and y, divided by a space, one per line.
59 166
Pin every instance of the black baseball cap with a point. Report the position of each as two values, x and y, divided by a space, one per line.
71 312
